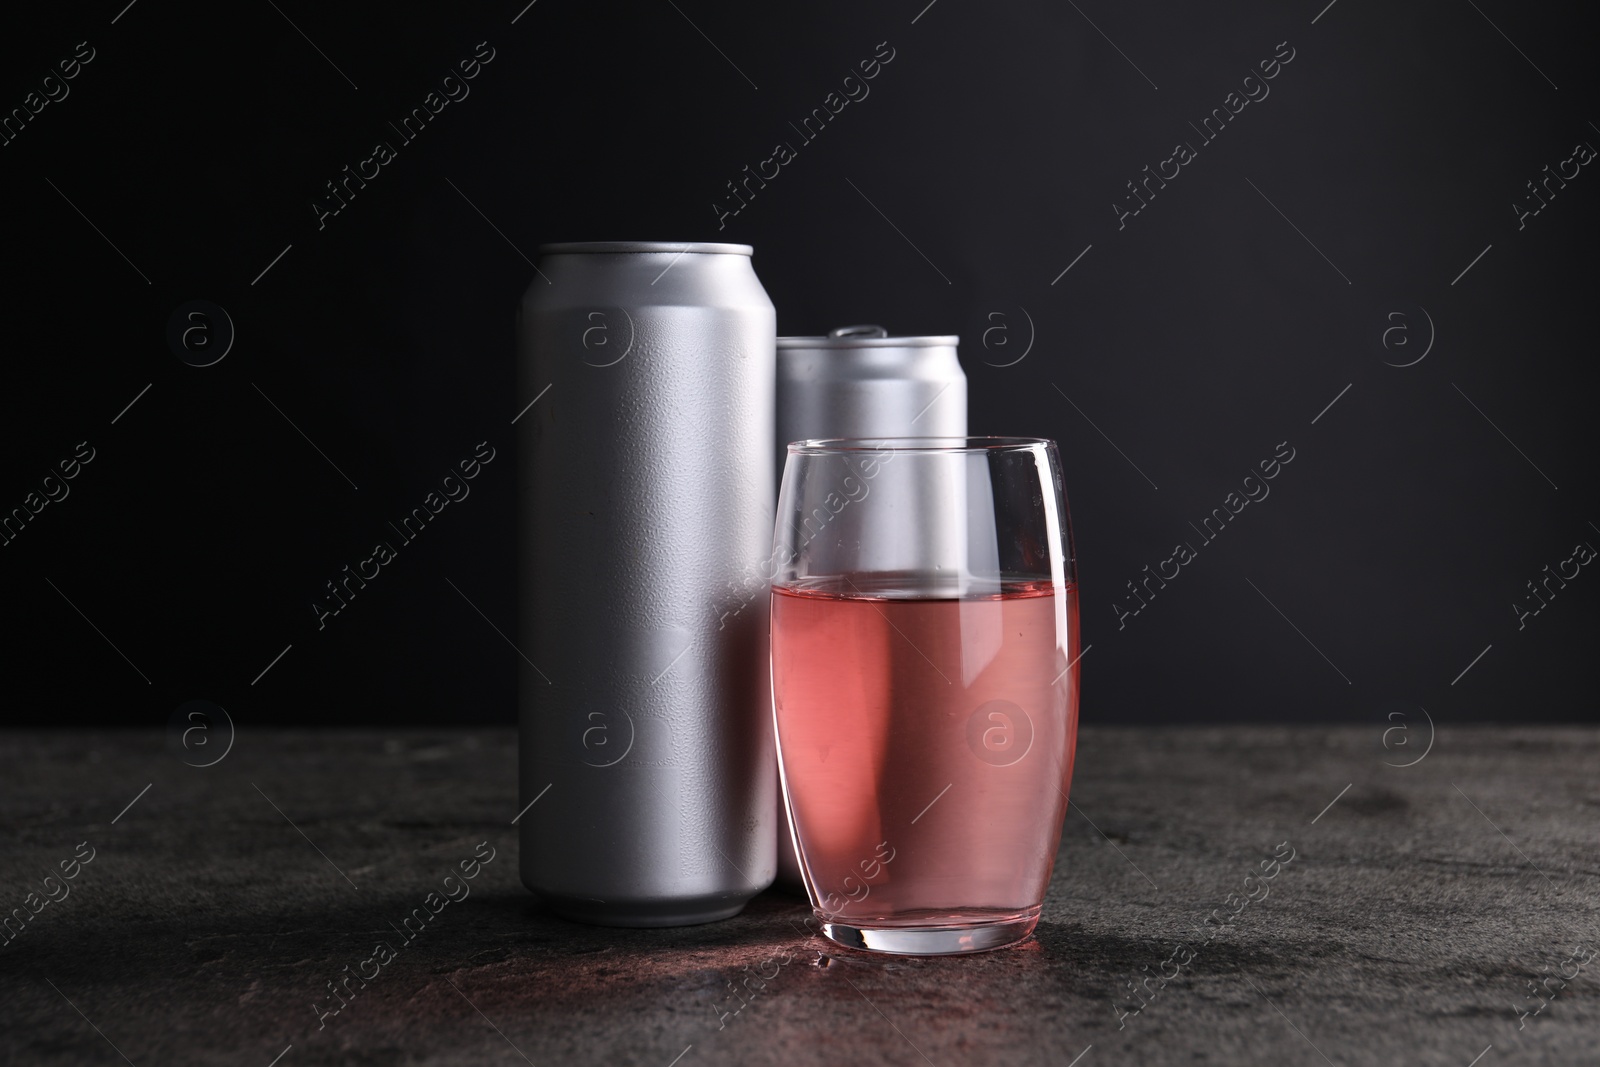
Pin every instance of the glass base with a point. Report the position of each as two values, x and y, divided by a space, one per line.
932 939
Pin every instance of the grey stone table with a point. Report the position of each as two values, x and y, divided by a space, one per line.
1420 905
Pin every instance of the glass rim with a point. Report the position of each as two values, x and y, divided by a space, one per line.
931 445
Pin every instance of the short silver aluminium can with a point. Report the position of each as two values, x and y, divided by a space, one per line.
859 382
644 501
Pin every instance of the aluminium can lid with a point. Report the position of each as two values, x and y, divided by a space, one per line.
703 248
867 336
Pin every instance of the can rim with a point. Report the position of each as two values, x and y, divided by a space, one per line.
701 248
949 340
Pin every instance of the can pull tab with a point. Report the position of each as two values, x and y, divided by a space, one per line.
859 331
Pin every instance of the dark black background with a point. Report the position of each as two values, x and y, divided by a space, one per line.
1196 338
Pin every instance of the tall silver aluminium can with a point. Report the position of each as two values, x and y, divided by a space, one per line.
644 506
859 382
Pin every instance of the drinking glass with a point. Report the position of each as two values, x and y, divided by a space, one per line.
925 684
